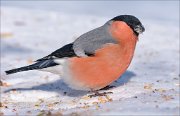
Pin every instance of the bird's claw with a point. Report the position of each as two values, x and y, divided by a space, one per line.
100 94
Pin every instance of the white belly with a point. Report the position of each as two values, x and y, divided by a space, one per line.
55 69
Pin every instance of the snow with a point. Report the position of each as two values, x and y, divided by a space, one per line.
150 86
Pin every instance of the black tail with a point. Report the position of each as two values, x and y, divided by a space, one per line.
38 65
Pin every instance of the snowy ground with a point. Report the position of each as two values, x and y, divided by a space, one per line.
150 86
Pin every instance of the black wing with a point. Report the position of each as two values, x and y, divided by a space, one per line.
65 51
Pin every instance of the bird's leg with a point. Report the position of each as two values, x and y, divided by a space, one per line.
96 93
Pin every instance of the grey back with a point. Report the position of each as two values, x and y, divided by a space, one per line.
89 42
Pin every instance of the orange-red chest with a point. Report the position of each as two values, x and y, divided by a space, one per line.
109 62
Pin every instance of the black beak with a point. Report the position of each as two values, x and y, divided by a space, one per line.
142 28
139 29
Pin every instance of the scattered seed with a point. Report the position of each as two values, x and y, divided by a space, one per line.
85 97
148 86
6 35
4 84
167 98
1 105
74 114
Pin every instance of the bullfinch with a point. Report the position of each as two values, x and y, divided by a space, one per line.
96 58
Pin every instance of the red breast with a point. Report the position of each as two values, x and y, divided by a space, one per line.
109 62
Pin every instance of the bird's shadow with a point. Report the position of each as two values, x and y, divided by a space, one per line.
13 49
125 78
61 88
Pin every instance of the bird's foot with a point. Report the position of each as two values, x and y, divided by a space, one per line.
96 93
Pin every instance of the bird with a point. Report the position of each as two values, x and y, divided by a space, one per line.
96 58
